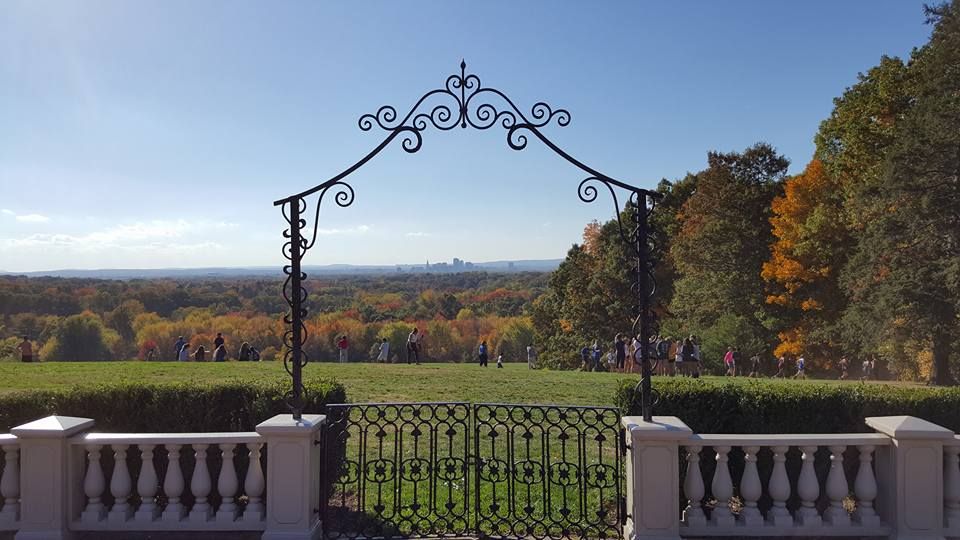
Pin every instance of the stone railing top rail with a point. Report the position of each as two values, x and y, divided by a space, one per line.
815 439
168 438
6 438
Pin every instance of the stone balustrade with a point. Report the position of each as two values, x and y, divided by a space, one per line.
135 487
901 482
827 505
951 486
58 479
9 482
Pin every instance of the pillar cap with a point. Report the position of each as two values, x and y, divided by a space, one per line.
908 427
284 424
52 426
661 428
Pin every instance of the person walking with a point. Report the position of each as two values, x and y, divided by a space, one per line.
729 362
801 367
500 360
531 357
244 354
620 346
220 354
413 346
199 355
781 366
482 353
183 355
177 346
754 366
844 368
343 345
26 350
384 351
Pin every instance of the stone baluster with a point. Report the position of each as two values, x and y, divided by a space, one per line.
951 485
147 486
750 488
173 486
694 489
10 485
722 488
227 486
94 484
253 485
200 486
120 486
837 489
865 489
808 488
779 489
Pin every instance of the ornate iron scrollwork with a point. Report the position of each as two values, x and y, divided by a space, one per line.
462 102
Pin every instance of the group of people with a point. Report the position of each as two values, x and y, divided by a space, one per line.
247 352
668 356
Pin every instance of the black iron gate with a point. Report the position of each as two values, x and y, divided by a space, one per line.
459 470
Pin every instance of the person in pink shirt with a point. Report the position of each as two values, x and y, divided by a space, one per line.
730 361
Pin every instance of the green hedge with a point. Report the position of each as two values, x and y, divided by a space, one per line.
172 408
765 406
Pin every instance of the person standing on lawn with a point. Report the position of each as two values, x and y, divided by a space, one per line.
384 351
482 353
26 350
531 357
620 345
177 346
343 345
597 353
413 346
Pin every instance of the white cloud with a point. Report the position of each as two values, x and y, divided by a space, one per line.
417 234
360 229
33 218
26 218
157 235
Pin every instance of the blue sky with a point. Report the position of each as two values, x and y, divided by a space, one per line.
157 133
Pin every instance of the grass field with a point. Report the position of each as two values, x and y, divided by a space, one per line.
364 382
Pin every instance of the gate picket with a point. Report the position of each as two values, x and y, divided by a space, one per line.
408 470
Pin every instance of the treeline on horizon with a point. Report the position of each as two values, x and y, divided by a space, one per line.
857 256
90 319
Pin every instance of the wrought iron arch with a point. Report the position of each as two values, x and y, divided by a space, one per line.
464 102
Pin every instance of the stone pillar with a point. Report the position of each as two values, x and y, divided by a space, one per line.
51 486
653 477
910 476
293 477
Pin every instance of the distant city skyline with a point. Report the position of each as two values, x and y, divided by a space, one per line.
156 134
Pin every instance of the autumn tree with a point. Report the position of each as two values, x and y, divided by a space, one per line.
807 255
723 240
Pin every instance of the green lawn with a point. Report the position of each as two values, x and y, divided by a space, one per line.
364 382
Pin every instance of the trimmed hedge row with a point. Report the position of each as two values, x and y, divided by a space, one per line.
764 406
171 408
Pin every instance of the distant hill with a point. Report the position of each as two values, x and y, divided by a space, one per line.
546 265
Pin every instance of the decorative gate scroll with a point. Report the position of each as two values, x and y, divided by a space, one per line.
465 103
